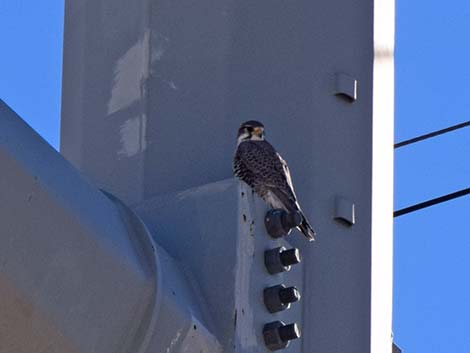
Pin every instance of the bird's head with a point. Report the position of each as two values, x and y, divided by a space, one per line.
251 130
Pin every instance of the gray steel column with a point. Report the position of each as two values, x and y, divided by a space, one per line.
154 92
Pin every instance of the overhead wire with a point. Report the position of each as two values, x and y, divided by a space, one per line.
440 199
432 134
431 202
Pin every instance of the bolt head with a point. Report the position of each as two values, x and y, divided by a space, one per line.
277 335
289 295
273 223
272 299
291 220
290 257
289 332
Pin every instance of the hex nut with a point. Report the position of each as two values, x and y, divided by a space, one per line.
279 223
278 335
280 259
278 298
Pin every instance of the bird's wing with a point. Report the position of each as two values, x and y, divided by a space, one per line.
285 167
305 226
261 167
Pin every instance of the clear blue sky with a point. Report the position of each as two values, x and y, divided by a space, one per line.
432 247
31 35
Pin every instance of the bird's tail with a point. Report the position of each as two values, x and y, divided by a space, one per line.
307 229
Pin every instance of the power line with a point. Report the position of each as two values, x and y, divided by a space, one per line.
432 134
432 202
437 200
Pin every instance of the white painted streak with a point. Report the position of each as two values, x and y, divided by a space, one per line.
130 73
133 136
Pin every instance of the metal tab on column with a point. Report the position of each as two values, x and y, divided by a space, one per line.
346 86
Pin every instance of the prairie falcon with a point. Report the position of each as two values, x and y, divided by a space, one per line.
258 164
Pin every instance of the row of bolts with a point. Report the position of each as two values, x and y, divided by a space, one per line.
277 334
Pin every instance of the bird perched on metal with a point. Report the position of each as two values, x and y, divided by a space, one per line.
257 163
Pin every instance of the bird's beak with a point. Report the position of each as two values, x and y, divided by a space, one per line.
258 131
